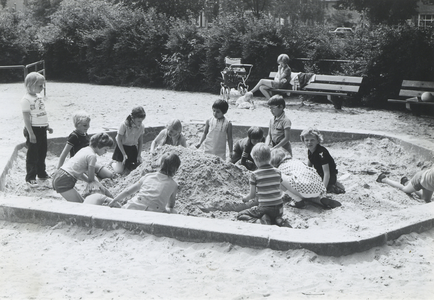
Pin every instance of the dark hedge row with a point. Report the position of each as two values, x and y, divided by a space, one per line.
102 43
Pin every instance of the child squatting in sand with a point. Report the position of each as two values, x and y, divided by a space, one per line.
265 190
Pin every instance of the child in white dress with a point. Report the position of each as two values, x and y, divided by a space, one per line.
217 131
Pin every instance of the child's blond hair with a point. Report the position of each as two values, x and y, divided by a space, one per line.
312 131
278 155
261 154
31 80
175 125
80 117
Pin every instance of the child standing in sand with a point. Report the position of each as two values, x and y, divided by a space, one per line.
79 139
156 191
217 130
36 127
422 184
280 126
82 167
320 158
129 139
171 135
265 187
243 148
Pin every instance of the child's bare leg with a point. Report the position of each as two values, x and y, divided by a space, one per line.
72 196
265 82
104 173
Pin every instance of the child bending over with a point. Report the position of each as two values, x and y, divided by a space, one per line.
280 126
129 139
155 191
171 135
79 139
82 167
265 190
300 182
243 148
422 184
320 158
217 131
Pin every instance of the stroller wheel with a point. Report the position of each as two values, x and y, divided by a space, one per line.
224 93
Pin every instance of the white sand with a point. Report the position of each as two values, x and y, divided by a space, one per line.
67 262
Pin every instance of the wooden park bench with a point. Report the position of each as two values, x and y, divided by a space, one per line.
335 87
410 95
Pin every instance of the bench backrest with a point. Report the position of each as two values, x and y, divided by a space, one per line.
410 88
333 83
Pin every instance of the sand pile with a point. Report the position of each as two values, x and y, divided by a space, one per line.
206 183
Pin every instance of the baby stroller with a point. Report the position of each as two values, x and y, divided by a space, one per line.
234 75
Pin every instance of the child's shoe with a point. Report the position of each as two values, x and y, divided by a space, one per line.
330 203
283 223
32 183
266 220
381 177
44 177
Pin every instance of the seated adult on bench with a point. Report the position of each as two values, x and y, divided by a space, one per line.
280 81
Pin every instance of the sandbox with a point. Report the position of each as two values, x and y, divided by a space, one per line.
210 195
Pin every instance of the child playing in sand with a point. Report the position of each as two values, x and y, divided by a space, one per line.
217 130
171 135
280 81
129 139
320 158
301 182
36 127
243 147
265 190
79 139
422 180
245 101
82 167
156 191
280 126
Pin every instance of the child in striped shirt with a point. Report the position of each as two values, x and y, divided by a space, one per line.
265 190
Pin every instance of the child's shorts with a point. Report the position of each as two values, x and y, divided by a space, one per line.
415 181
63 181
257 212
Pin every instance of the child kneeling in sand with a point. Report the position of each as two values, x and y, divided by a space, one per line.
265 189
422 180
320 158
171 135
82 166
156 191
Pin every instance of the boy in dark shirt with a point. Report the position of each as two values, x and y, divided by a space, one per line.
243 147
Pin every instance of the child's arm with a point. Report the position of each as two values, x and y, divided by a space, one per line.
268 138
121 147
170 206
230 140
205 133
285 140
183 141
251 195
139 149
156 141
127 192
28 124
63 155
326 170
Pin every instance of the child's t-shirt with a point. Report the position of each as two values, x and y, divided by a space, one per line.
164 139
267 180
36 107
77 141
79 164
427 179
320 157
154 194
131 135
277 130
